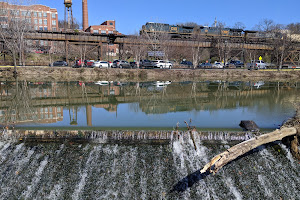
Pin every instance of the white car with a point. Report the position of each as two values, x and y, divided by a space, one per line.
257 64
218 65
101 64
162 64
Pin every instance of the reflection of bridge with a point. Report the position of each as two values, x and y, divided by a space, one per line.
171 98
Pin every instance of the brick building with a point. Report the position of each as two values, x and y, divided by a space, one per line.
38 17
107 27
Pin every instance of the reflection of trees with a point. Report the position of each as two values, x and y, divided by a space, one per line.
22 101
20 104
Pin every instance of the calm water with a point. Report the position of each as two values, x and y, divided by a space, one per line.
103 104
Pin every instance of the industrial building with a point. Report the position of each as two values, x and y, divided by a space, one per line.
38 17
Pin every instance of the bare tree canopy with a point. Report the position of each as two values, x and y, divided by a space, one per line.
74 25
294 28
13 28
266 25
239 25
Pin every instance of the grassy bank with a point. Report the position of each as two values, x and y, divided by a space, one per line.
96 74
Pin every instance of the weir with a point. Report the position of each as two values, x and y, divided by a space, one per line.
151 137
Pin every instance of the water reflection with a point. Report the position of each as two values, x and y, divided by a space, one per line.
146 104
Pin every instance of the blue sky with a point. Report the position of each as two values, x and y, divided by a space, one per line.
130 15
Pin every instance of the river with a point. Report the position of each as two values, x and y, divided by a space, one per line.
98 169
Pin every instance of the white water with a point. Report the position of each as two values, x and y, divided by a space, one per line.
112 171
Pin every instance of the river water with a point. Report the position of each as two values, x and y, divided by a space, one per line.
111 170
114 105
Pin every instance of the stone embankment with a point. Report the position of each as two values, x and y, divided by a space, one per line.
96 74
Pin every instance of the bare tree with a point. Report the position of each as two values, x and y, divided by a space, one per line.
239 25
138 48
13 29
266 25
74 25
158 39
222 42
294 28
197 47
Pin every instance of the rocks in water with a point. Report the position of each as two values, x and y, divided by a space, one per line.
249 125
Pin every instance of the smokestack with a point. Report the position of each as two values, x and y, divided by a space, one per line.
85 16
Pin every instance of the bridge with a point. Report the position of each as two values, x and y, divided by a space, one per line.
99 39
96 40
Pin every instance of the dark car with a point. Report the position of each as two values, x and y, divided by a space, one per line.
59 64
133 64
235 64
186 63
121 64
205 66
146 64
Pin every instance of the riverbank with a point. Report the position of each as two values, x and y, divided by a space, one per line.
113 74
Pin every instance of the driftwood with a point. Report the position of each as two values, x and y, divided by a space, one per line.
232 153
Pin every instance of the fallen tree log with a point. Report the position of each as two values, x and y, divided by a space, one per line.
232 153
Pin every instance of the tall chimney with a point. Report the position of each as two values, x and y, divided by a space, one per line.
85 16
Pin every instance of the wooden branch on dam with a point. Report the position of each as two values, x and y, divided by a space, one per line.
238 150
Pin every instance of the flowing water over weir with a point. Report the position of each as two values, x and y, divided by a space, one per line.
105 169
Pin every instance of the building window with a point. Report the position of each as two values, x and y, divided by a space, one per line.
54 28
14 12
36 28
3 19
41 28
35 21
96 31
54 22
53 15
39 14
45 22
28 21
46 28
3 12
45 14
110 32
103 31
24 13
40 21
34 14
111 23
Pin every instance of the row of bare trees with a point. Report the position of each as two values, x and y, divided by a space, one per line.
198 49
278 38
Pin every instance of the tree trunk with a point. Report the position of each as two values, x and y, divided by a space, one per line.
231 154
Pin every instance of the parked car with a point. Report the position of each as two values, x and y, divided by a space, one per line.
133 64
89 63
146 64
186 64
121 64
218 65
78 64
205 65
257 64
163 64
101 64
235 64
59 64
